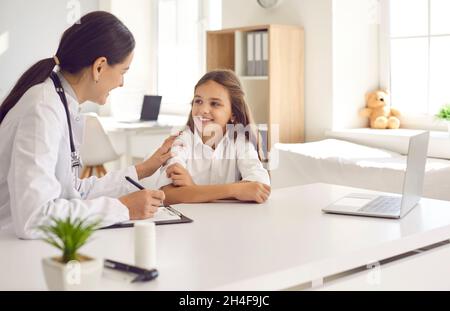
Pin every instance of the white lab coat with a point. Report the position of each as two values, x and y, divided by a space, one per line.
36 179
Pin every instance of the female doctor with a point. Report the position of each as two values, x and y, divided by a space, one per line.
41 131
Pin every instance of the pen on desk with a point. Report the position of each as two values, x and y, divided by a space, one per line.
142 274
135 183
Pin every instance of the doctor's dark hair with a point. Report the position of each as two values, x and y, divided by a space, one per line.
97 34
239 108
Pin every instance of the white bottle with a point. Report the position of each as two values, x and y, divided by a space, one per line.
145 245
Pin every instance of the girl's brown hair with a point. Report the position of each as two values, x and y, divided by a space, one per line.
239 108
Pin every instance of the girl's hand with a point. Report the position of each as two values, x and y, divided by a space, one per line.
159 158
179 175
251 191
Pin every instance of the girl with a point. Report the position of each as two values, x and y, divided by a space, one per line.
41 130
216 156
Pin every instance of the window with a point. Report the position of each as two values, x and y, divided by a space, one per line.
181 42
419 54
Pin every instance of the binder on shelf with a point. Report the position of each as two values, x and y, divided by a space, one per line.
251 70
265 53
263 136
258 54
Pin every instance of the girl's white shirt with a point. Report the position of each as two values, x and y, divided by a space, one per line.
231 161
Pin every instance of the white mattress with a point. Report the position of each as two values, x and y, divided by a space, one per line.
344 163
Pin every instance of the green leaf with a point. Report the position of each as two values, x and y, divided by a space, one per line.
444 113
68 235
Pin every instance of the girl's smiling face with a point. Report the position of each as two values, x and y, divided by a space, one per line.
211 107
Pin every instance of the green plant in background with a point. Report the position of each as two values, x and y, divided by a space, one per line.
68 235
444 113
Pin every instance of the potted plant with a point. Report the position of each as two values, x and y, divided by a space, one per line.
71 271
444 114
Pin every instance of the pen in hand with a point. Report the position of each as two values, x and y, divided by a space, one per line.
135 183
139 186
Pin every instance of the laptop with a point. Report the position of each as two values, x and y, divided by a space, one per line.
150 109
395 206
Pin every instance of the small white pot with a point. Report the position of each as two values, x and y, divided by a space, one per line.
73 275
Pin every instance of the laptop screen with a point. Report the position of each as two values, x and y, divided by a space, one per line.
150 108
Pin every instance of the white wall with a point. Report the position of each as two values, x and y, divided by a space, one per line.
355 59
315 17
138 16
33 29
341 60
341 54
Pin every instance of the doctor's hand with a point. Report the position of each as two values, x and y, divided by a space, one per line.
152 164
143 204
179 175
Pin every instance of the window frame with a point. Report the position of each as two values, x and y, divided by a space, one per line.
411 120
203 25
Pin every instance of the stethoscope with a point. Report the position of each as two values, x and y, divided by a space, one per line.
74 156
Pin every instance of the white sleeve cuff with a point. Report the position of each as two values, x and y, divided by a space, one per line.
163 180
262 177
117 212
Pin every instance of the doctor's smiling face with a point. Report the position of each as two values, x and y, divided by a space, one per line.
107 77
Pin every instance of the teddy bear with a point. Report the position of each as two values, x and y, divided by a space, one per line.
379 112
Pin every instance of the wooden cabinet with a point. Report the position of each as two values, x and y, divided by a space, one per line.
277 99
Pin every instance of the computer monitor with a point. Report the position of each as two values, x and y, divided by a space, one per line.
150 108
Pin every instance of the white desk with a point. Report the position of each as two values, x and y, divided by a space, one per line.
285 242
423 271
132 138
165 122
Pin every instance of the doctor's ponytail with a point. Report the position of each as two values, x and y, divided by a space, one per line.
38 73
97 34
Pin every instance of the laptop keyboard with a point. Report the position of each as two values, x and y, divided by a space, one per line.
382 205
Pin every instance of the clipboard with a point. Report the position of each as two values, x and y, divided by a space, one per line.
178 218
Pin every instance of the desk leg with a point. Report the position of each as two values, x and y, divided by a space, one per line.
128 152
316 283
127 158
119 140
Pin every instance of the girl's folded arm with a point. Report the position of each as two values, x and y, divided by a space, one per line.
243 191
198 193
